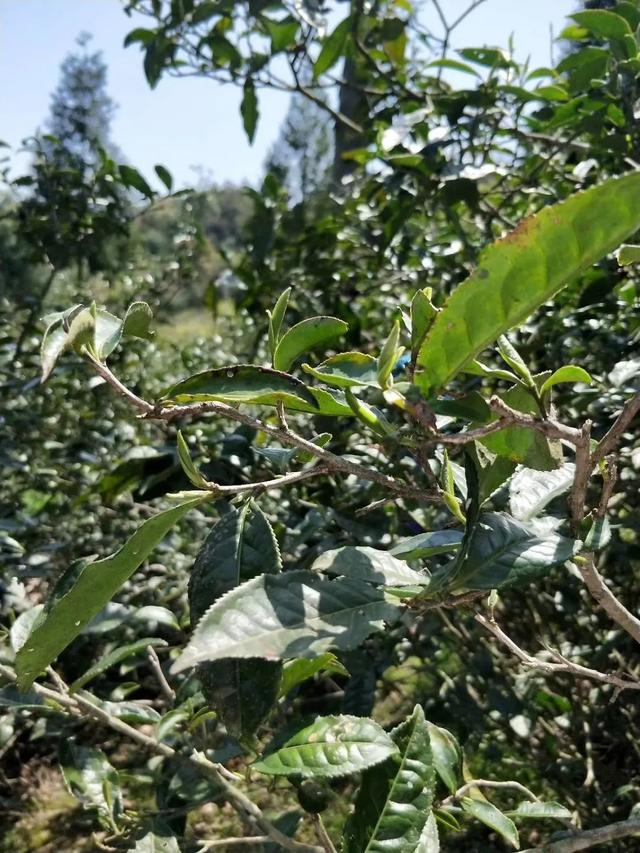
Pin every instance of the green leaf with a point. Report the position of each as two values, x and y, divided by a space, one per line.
488 814
131 177
568 373
249 109
389 355
284 616
242 383
503 552
332 48
522 444
428 544
90 778
628 254
107 332
239 547
305 336
114 657
490 57
330 747
165 175
347 370
297 671
188 467
429 841
332 404
599 535
603 24
523 270
85 588
137 321
540 811
515 361
153 843
394 800
423 313
370 565
530 491
447 756
275 319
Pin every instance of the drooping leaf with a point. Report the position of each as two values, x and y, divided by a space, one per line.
521 271
242 383
305 336
285 616
114 657
347 370
85 588
515 361
568 373
370 565
447 756
428 544
297 671
329 748
239 547
394 800
332 48
249 109
530 491
488 814
540 811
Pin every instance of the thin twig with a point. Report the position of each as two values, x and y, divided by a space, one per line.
599 590
323 835
591 837
81 705
166 688
561 664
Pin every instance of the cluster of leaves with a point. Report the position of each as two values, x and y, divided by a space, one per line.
298 577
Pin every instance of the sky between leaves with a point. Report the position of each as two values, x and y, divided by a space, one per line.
192 126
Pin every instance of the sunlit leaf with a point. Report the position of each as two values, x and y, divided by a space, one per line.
305 336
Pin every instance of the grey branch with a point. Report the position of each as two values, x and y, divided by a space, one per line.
559 665
591 837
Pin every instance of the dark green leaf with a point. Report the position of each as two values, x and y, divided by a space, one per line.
165 175
330 747
603 24
249 109
239 547
131 177
285 616
91 779
242 383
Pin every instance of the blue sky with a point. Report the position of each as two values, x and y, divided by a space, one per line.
191 122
